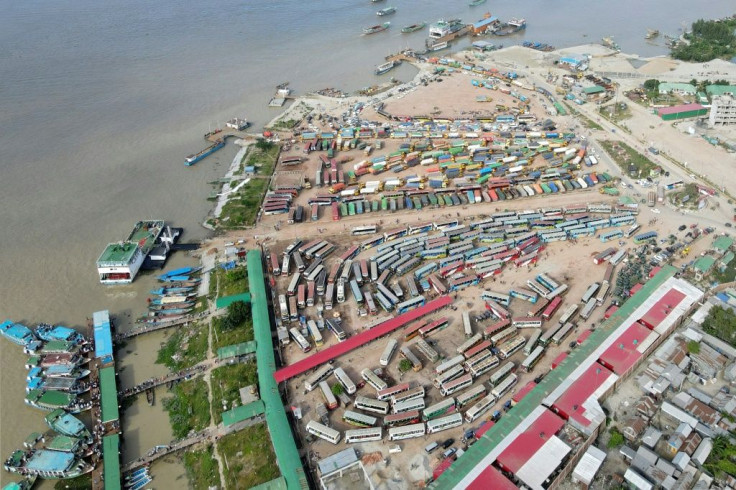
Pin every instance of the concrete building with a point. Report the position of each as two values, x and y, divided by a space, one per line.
722 111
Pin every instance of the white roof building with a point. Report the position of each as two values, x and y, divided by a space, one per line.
588 466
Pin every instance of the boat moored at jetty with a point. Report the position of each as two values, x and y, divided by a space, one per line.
442 28
511 27
68 425
17 333
182 271
47 332
388 66
47 464
194 158
164 291
413 27
386 11
66 360
51 400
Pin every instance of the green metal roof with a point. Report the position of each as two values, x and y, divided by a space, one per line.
236 350
117 254
722 243
109 395
703 264
243 412
111 461
595 89
276 484
680 87
452 476
63 443
726 259
226 301
287 455
721 89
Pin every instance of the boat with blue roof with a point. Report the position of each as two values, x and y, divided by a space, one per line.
17 333
180 272
47 464
67 424
47 332
165 291
58 371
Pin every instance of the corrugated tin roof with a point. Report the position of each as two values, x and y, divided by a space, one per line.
579 401
102 335
236 350
704 264
589 465
626 349
109 395
359 340
491 478
530 439
722 243
680 108
243 412
111 461
226 301
544 463
275 484
662 308
337 461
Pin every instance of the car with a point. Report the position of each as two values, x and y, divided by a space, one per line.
447 443
449 453
573 344
682 227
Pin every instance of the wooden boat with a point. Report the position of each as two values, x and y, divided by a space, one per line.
378 28
414 27
475 3
149 396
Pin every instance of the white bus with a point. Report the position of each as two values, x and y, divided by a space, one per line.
322 373
471 395
532 342
527 322
387 393
630 232
359 419
474 339
478 358
363 435
439 409
388 352
370 377
466 324
501 374
590 292
447 365
532 359
452 373
504 386
323 432
508 348
483 367
345 380
444 423
409 405
406 432
300 340
568 313
458 384
500 298
371 405
479 408
413 393
283 308
364 230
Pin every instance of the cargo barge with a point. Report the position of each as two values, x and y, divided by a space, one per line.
192 159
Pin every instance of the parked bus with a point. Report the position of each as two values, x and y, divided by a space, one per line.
363 435
448 375
284 308
524 294
456 385
411 394
329 397
364 230
472 341
532 359
532 342
320 375
502 299
470 396
466 325
483 405
433 327
387 393
590 292
634 228
527 322
439 409
444 423
409 405
370 405
406 432
407 354
323 432
568 313
505 385
345 380
503 335
291 290
410 304
484 366
551 308
508 348
477 359
450 363
403 418
370 377
300 340
501 374
388 352
336 329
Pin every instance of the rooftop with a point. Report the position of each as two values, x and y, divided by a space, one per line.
680 87
721 89
579 402
119 253
111 461
243 412
226 301
109 395
103 335
595 89
722 243
236 350
704 264
680 108
45 460
627 348
337 461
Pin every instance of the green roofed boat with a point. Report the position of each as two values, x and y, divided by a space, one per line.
68 425
414 27
475 3
378 28
51 400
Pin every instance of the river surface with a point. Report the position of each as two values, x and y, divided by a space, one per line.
101 101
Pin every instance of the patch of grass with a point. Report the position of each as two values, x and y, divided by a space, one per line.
263 157
223 337
189 408
250 457
201 466
693 347
241 210
226 384
286 124
689 194
616 439
185 347
234 281
624 155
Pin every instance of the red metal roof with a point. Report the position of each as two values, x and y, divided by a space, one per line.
662 308
483 428
440 468
635 289
491 478
356 341
561 357
622 354
679 108
570 403
523 391
526 444
584 336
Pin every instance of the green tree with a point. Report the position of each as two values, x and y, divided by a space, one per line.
337 389
237 313
263 145
693 347
405 365
616 439
651 85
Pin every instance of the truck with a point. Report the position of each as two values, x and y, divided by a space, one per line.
651 198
